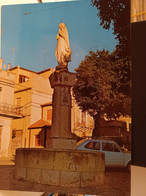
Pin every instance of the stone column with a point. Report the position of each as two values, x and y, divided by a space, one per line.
61 82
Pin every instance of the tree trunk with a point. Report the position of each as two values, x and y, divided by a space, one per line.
97 119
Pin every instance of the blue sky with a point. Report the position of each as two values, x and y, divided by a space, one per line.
30 35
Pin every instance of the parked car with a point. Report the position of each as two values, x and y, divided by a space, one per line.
116 139
115 156
126 146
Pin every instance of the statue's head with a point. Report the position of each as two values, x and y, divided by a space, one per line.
62 26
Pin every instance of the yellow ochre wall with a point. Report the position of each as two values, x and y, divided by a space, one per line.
33 93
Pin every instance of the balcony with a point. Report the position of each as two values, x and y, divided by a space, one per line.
11 111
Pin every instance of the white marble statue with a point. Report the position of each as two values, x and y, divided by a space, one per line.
63 51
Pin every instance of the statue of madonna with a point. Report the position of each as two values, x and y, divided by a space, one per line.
63 51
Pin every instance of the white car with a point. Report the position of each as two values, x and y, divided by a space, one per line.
115 156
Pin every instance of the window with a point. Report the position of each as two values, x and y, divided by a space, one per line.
109 147
106 147
115 149
37 140
13 134
23 78
93 145
49 114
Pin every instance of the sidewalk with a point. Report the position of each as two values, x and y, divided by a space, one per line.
116 183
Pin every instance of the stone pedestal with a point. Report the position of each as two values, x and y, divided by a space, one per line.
61 143
61 164
62 168
60 137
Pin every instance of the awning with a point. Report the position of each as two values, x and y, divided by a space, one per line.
40 124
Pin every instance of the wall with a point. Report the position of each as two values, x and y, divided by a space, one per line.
138 181
63 168
33 93
5 136
42 93
41 132
7 84
6 97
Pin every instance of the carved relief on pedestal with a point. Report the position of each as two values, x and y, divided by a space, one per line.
65 96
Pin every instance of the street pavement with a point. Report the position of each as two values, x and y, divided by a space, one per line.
117 183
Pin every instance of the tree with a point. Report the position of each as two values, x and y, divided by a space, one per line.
116 12
102 86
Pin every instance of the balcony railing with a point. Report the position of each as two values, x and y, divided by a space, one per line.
10 110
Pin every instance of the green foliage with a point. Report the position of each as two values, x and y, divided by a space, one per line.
116 12
103 85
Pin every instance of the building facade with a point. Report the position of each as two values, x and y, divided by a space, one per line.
31 94
31 90
8 110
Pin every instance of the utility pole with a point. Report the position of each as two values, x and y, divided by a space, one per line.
13 51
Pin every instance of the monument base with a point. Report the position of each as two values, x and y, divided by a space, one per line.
61 143
62 168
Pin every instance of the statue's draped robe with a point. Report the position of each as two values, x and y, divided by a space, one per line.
63 51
